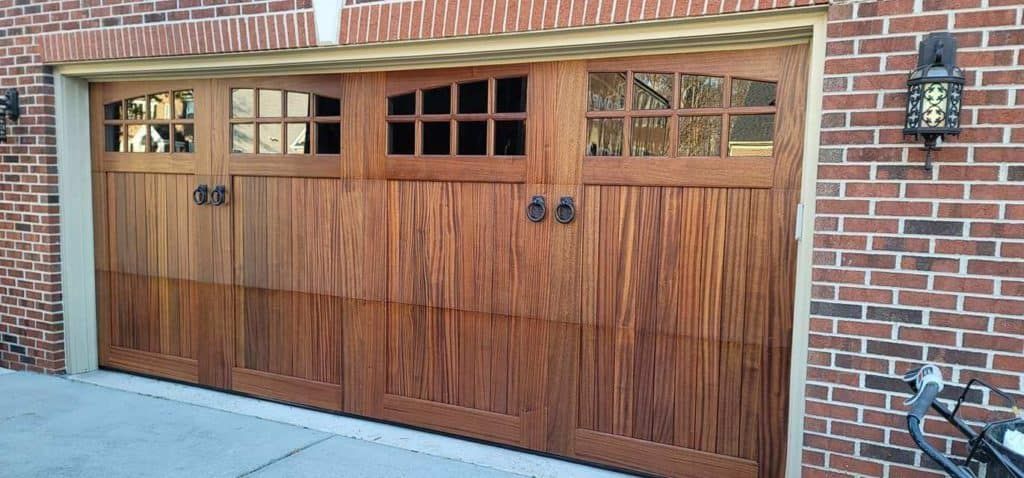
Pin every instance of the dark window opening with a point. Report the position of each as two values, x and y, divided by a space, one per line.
437 101
510 95
326 106
437 137
473 97
509 138
328 138
402 104
472 138
401 138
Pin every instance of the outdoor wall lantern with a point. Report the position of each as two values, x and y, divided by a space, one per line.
934 93
9 110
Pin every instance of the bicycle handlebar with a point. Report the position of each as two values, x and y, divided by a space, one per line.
920 403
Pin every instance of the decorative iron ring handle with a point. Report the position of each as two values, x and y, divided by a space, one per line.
566 210
201 195
537 210
219 196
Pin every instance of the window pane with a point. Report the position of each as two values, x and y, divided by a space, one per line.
160 138
436 137
700 91
184 104
604 137
184 139
160 106
328 138
751 135
607 91
473 97
437 101
652 91
472 137
509 138
298 104
402 104
326 106
136 108
298 137
113 111
700 136
270 138
242 103
650 136
401 138
242 138
136 139
510 95
270 104
752 93
113 137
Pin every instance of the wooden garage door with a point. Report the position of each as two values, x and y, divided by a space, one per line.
587 258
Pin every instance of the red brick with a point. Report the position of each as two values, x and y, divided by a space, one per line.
964 284
924 299
986 18
997 192
836 66
927 335
918 23
935 190
969 210
903 208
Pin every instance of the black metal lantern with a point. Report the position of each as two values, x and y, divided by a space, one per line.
9 109
934 93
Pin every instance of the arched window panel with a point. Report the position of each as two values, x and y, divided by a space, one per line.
483 116
678 114
283 122
158 122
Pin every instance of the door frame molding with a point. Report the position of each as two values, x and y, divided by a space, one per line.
723 32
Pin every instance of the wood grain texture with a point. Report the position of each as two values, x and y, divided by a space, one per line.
455 245
157 365
662 460
467 359
287 389
151 280
489 426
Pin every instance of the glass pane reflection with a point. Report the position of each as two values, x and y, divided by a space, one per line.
700 136
298 137
270 104
298 104
652 91
270 138
184 138
242 138
697 91
650 136
752 93
136 138
136 108
751 135
604 137
160 138
242 103
607 91
113 138
160 106
184 104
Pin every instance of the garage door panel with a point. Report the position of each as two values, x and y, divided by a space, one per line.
454 245
150 282
666 306
467 359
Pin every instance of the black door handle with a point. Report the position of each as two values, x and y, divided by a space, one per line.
201 194
537 210
566 210
219 196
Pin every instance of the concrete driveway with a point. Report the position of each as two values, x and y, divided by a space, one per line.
53 426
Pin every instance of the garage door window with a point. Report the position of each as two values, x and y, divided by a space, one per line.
268 121
676 114
476 118
160 122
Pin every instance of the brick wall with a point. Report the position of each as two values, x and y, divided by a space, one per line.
911 265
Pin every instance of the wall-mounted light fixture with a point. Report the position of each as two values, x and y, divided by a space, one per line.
9 110
934 93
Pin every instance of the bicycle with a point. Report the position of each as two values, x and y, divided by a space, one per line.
986 446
